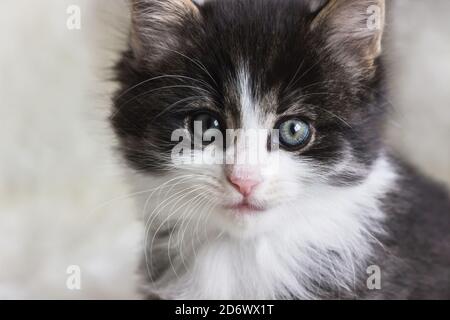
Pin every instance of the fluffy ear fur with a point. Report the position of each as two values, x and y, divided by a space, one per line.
354 26
159 26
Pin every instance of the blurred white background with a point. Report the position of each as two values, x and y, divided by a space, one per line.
62 196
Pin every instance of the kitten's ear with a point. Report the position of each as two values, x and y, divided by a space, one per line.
355 25
159 26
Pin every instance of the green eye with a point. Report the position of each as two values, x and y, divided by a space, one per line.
294 133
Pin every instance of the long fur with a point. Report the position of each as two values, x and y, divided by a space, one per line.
333 208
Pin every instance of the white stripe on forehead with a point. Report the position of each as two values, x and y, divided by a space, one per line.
255 125
250 111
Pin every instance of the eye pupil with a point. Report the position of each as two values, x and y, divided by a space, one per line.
201 123
295 127
207 121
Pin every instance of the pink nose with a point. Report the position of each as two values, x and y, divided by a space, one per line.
244 185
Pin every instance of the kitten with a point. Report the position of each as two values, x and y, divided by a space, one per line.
329 203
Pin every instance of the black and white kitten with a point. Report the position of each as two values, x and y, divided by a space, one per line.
327 204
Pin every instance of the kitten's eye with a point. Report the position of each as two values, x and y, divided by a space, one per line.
201 123
206 121
294 133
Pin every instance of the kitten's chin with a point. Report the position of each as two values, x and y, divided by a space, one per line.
245 221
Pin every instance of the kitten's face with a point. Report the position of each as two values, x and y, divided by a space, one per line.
306 69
